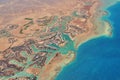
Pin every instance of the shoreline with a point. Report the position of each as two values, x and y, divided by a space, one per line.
62 68
102 27
107 33
96 25
109 28
54 68
93 35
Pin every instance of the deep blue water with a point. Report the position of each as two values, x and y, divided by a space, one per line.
97 59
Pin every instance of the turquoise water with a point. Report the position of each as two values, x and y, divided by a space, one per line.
98 59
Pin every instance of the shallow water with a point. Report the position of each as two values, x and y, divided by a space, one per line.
97 59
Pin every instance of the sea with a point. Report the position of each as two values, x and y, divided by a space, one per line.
97 59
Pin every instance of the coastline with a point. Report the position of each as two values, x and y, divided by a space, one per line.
106 31
98 27
107 50
101 27
56 65
91 35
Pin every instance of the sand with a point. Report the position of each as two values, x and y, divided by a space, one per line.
95 28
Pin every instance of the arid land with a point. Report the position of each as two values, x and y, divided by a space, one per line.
39 38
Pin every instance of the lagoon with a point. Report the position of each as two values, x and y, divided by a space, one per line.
97 59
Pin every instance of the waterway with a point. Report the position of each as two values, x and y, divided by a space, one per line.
97 59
